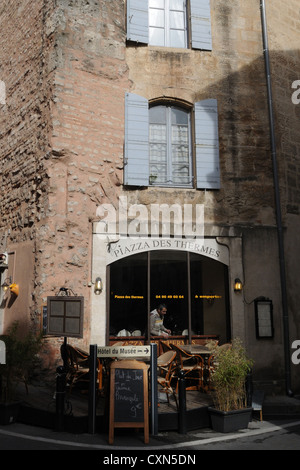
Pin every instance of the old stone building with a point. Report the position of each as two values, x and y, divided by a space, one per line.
111 110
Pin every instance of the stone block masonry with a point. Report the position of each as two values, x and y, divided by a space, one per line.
62 130
25 120
24 116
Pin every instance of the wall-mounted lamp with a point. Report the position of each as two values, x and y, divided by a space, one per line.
6 284
238 286
3 258
98 287
14 289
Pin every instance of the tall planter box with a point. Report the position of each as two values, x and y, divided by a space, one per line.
230 421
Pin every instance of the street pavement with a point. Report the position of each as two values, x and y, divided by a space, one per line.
280 434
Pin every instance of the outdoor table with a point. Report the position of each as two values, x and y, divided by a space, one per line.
195 349
205 353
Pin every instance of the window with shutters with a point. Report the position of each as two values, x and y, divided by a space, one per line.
167 23
169 146
161 150
170 23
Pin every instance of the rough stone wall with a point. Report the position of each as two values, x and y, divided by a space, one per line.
86 165
283 34
234 74
62 132
24 118
283 30
24 125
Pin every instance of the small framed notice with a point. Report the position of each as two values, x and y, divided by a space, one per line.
65 316
264 318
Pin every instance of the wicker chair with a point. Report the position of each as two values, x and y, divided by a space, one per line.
76 363
192 366
165 346
166 364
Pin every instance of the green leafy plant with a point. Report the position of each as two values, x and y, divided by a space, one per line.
21 352
228 379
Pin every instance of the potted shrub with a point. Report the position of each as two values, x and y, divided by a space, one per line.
21 353
231 366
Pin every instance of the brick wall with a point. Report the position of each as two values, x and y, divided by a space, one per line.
24 126
62 130
23 119
86 164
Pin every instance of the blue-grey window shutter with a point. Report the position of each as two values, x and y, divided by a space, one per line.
136 155
137 21
201 24
207 144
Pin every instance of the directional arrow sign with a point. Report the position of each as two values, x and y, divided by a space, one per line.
123 351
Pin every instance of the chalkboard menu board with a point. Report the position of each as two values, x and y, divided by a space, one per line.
129 397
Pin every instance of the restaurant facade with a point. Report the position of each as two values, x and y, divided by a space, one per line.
150 155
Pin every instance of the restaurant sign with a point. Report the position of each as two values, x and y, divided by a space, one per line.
126 246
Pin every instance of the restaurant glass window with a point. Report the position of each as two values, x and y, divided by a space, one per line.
193 287
128 296
168 285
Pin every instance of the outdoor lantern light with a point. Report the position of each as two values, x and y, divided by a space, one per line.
98 286
238 286
6 284
14 288
3 258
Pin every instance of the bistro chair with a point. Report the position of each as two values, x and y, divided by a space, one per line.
192 366
119 343
186 332
76 363
166 364
124 333
165 346
136 333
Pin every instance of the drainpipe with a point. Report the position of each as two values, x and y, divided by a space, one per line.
278 206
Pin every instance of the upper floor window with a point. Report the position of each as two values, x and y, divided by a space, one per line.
166 23
169 146
159 142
